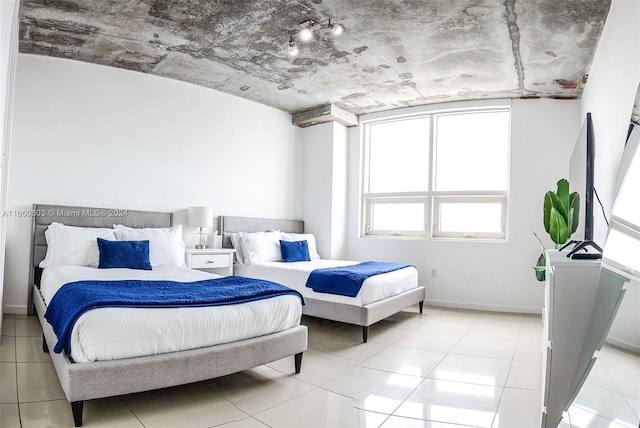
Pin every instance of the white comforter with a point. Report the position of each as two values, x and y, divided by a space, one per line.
295 275
115 333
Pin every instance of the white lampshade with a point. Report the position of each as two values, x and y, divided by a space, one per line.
200 217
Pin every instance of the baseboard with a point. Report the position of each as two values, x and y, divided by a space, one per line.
623 344
15 309
485 307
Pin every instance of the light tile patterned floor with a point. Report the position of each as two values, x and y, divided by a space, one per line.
442 369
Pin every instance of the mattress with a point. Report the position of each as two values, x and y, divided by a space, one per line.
295 275
115 333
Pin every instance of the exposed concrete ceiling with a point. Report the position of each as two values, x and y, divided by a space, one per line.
394 53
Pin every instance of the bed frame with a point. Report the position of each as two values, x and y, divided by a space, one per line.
86 381
351 314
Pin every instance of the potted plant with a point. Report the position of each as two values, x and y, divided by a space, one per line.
561 213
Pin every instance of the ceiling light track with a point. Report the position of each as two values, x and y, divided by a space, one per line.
308 30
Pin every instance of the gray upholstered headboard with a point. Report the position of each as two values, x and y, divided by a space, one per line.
230 224
44 215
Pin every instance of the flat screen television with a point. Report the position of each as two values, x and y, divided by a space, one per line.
581 179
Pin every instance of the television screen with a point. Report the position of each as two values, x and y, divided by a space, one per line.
578 175
581 180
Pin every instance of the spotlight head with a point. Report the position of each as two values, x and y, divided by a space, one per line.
305 35
336 29
292 48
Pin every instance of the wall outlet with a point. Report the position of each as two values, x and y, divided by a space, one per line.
433 273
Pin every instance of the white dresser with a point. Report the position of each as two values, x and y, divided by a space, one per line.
577 314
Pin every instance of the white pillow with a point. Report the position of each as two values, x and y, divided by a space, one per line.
166 247
237 245
70 245
260 247
311 242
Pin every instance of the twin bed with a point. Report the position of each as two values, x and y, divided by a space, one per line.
120 350
380 297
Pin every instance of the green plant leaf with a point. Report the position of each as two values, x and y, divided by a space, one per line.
563 194
558 227
546 210
541 267
574 205
569 221
556 203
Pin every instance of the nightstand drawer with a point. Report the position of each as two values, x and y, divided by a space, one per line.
209 261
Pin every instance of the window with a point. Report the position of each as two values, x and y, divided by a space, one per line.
623 241
437 175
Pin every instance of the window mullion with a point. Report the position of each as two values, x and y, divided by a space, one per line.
432 167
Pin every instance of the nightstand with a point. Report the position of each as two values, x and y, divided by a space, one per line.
215 260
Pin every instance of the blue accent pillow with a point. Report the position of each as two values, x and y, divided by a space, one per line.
295 251
124 254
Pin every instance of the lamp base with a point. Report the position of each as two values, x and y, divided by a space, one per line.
201 240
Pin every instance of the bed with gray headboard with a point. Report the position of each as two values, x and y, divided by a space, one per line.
361 315
91 380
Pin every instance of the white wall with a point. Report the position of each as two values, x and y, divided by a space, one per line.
340 197
487 275
8 54
609 94
324 199
317 168
97 136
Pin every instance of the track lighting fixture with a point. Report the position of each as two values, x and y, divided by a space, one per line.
292 48
307 32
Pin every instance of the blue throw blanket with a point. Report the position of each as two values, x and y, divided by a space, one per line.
347 280
75 298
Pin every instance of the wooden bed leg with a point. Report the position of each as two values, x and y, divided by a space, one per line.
45 347
298 362
365 334
421 306
76 409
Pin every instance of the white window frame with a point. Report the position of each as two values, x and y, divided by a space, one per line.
630 230
484 197
415 198
430 198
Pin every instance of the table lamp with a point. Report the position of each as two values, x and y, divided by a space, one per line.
200 217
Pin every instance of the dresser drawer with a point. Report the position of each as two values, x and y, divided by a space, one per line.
209 261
